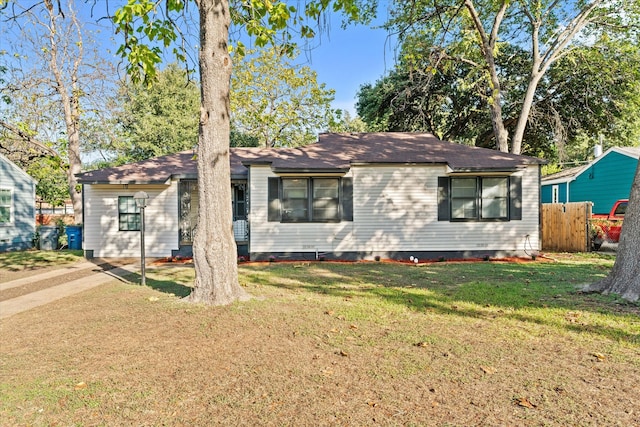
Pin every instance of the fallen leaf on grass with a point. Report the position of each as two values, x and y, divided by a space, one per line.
524 402
80 386
560 390
572 316
488 370
153 299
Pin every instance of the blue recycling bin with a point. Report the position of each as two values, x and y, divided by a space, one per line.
74 236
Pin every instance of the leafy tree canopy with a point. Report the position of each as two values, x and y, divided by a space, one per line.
277 102
159 119
591 92
52 180
342 121
483 34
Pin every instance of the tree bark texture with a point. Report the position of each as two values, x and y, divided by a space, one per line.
214 247
624 278
69 96
494 98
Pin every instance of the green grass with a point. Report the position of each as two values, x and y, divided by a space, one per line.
404 344
34 259
538 293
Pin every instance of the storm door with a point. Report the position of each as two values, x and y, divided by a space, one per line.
187 210
240 208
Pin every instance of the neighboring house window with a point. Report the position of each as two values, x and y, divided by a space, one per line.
479 198
555 194
310 199
6 201
128 214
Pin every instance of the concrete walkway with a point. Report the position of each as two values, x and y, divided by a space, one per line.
34 299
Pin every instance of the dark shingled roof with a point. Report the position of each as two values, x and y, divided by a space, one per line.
333 152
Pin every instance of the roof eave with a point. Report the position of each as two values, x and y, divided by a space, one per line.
319 171
564 180
483 169
369 163
123 182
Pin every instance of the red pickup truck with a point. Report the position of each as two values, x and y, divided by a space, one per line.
607 227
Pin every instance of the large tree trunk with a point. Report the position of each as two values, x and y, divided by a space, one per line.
214 247
69 96
518 135
624 278
488 43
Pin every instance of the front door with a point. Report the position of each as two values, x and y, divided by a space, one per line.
188 211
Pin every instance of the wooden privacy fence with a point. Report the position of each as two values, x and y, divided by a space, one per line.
565 226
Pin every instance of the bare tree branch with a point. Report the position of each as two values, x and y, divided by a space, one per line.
27 138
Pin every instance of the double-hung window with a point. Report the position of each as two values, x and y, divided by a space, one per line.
326 205
6 201
483 198
128 214
494 194
310 199
295 199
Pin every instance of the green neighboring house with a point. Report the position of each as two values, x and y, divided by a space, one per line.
603 181
17 207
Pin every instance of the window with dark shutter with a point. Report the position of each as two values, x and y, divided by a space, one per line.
310 199
273 196
443 199
515 198
479 198
347 199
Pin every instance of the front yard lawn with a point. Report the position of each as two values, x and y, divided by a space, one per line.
323 343
14 265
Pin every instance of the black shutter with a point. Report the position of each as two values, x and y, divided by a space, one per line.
274 212
347 199
515 197
444 213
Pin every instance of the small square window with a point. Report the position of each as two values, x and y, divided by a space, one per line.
128 214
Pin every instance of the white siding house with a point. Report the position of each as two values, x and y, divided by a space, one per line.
104 235
349 196
395 215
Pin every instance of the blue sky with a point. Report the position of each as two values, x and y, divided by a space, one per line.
343 58
347 58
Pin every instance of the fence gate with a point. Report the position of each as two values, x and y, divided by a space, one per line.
565 226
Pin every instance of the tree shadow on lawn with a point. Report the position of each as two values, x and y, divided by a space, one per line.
169 284
35 259
531 292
